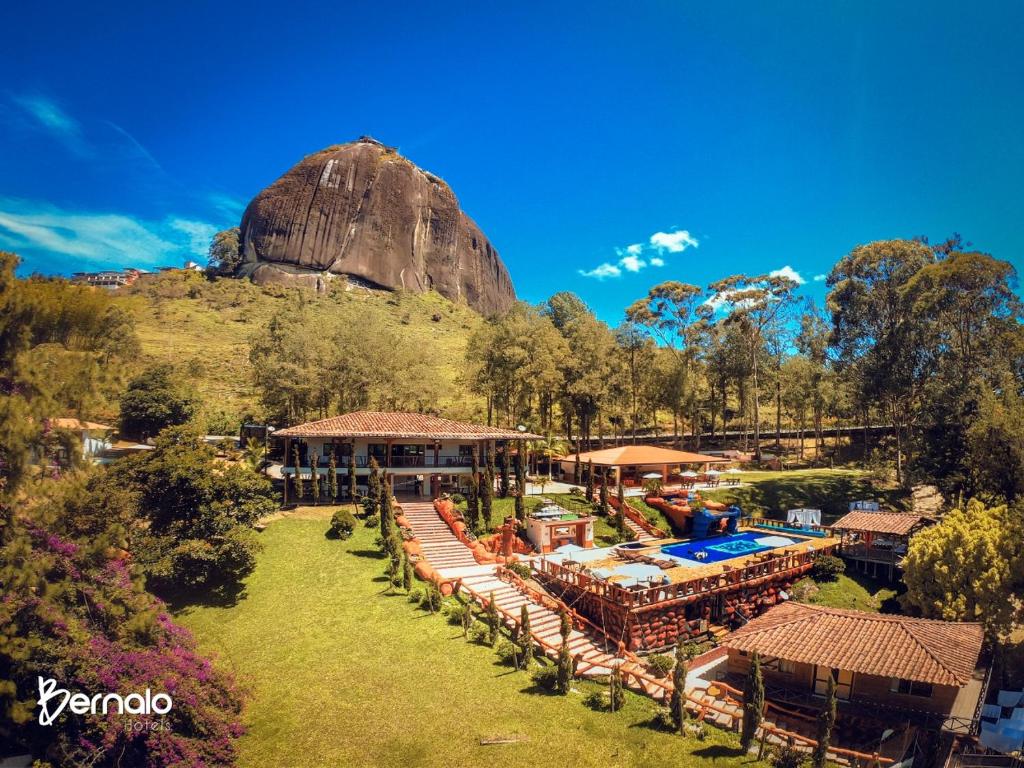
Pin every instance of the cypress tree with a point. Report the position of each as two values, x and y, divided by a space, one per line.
352 475
753 702
526 637
616 694
387 516
373 487
577 470
677 704
493 622
503 473
407 572
521 465
604 493
314 477
487 491
467 619
590 481
519 505
565 662
473 497
332 479
298 476
826 721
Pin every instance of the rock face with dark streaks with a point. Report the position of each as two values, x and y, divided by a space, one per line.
363 210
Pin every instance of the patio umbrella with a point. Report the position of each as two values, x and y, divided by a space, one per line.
733 471
689 473
652 476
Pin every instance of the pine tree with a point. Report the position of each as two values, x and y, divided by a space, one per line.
473 497
487 491
677 704
526 637
826 721
493 622
590 481
298 476
521 465
753 702
407 573
332 479
520 507
503 473
577 470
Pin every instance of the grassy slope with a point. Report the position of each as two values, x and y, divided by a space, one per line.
341 674
772 493
852 591
203 329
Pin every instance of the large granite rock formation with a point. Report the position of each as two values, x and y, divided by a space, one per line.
361 209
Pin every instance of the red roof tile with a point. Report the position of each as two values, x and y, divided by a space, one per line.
401 425
640 455
923 650
899 523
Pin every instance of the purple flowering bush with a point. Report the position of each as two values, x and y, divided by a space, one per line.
76 611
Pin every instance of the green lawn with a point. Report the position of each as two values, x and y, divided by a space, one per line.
852 591
341 674
772 493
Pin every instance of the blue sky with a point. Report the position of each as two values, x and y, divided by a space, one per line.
713 138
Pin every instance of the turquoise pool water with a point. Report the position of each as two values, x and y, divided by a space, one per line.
726 547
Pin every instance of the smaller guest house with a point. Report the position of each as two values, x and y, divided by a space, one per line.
875 542
421 454
886 662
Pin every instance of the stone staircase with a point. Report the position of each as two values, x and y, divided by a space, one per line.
440 547
453 560
639 534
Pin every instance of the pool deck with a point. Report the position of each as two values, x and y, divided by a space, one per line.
613 557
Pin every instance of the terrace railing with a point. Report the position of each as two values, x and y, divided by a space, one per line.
763 567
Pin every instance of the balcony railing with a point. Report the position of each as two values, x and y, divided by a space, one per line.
396 462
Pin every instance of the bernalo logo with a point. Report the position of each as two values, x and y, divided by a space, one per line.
53 700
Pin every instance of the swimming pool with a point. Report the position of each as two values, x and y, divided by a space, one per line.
726 547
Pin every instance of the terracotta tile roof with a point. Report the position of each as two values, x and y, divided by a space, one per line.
899 523
78 424
639 455
924 650
401 425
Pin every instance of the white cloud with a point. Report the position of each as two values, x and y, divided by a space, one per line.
50 236
673 242
819 278
602 271
54 120
200 234
632 263
788 271
635 249
656 261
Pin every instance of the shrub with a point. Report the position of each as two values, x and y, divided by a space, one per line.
416 595
662 720
660 664
546 678
575 491
787 756
371 521
507 652
458 498
595 700
343 524
522 570
827 567
479 633
431 600
454 613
